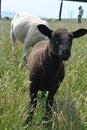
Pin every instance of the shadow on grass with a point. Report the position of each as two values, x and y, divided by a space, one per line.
66 116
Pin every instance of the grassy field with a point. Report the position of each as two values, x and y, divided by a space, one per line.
69 110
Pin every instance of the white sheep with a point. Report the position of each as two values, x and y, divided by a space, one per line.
24 28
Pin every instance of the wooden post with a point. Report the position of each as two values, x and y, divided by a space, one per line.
0 9
60 12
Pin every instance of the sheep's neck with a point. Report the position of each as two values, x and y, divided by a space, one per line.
52 65
51 60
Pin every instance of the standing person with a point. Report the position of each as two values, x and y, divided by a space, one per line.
80 14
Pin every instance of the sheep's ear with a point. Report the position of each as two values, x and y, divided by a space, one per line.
45 30
79 33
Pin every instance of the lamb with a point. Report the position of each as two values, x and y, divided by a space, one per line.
24 28
46 66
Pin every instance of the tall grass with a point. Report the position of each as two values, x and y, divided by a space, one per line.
69 110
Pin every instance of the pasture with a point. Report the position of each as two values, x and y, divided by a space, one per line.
69 110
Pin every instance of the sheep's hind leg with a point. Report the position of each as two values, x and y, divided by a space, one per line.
43 95
48 114
49 102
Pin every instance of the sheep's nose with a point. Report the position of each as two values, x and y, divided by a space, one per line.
65 52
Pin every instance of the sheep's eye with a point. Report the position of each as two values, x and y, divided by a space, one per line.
71 35
57 42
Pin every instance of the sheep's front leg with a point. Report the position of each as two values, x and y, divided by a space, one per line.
33 103
13 40
25 55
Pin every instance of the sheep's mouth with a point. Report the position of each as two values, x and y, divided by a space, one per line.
64 57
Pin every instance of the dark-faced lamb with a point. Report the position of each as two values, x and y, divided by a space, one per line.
46 66
24 28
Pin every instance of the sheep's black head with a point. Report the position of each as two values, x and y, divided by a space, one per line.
61 40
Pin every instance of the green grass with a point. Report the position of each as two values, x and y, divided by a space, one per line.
70 103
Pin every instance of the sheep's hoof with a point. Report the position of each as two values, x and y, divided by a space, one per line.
27 122
47 122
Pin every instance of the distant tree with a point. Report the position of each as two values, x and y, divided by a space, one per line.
0 9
